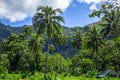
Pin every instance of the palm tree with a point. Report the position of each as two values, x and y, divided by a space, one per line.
28 31
36 45
47 20
77 39
15 48
110 19
117 44
112 26
95 42
59 40
9 44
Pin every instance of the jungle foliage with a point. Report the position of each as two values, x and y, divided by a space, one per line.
42 52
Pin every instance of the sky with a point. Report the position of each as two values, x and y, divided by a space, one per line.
75 12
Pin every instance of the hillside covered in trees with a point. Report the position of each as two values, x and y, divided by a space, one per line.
69 51
7 30
48 51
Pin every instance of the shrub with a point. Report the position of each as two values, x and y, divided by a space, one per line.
3 70
86 65
91 73
10 77
76 72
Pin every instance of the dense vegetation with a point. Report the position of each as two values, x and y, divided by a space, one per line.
38 52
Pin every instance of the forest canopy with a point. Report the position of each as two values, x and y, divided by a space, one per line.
46 49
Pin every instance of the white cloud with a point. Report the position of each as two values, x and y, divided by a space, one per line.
93 3
17 10
93 7
90 1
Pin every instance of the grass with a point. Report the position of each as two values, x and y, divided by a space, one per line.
51 76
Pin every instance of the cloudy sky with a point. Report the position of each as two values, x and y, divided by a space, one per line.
75 12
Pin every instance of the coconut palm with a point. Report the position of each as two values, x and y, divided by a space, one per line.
9 45
36 45
15 48
59 40
77 39
28 31
46 20
112 25
110 19
94 43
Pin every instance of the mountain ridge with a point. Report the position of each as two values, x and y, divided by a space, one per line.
7 30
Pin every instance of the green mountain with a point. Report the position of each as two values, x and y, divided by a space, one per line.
6 30
68 51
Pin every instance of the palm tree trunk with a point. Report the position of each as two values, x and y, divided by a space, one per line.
56 62
46 64
36 61
97 66
117 60
96 62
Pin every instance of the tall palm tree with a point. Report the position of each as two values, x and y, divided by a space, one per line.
112 26
36 45
59 40
110 18
15 48
28 31
47 20
77 39
117 46
8 45
95 42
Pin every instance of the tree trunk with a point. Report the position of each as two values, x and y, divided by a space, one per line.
56 63
46 64
97 66
36 61
117 60
96 62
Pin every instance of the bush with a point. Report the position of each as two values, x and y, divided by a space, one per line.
10 77
91 73
86 65
3 70
76 72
